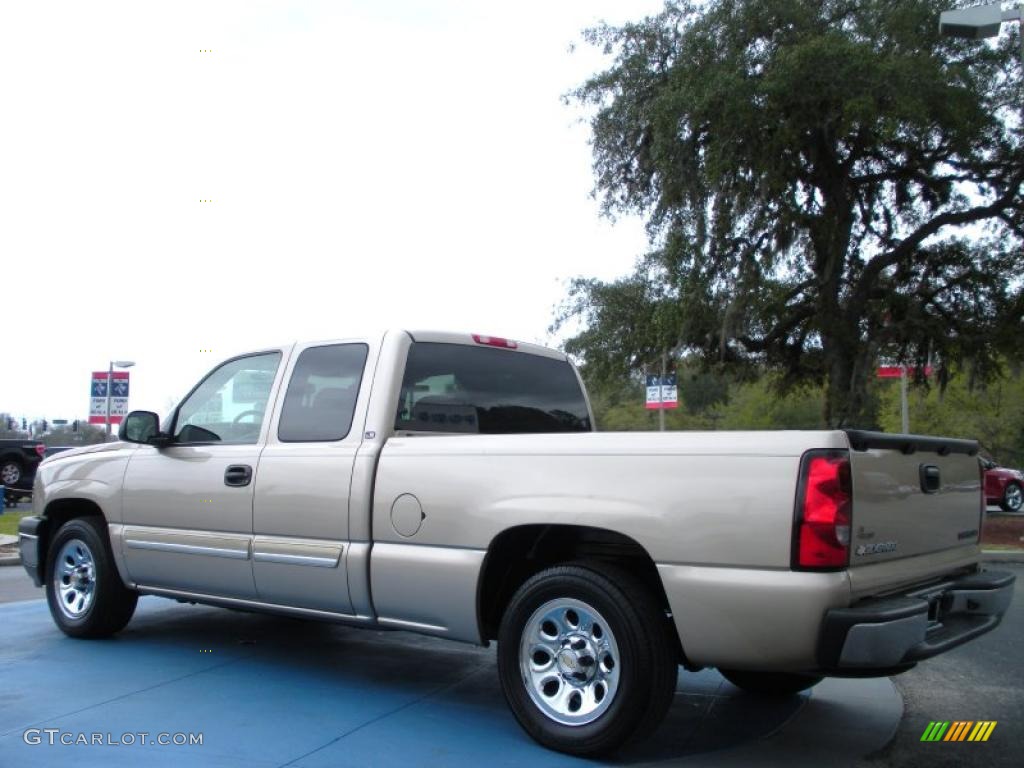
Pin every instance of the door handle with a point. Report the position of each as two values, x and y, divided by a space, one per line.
238 475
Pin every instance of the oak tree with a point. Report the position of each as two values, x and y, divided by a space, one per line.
825 183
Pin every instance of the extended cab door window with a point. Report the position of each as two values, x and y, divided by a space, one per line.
479 390
229 405
322 394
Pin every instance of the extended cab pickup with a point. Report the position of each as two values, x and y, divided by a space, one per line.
454 485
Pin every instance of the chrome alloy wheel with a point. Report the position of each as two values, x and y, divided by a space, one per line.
1014 497
10 473
569 661
74 575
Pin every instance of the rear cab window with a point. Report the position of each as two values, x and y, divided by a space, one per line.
456 388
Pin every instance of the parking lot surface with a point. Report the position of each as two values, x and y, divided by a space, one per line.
269 691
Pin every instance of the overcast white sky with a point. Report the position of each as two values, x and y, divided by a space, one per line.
370 164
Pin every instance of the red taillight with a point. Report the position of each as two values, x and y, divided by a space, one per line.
494 341
822 536
41 450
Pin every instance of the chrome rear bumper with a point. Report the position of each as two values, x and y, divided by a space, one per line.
895 632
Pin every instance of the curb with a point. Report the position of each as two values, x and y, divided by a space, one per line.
14 559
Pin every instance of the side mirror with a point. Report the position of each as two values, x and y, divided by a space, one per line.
142 427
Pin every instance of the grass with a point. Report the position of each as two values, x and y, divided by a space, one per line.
9 521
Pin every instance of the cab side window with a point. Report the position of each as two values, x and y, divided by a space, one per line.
321 397
229 405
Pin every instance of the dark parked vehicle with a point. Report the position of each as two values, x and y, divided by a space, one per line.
1003 486
18 462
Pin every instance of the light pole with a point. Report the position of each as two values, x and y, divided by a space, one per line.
904 404
110 383
979 22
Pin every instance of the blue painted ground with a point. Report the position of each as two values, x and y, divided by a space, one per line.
268 691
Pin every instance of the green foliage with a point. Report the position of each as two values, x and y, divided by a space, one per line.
807 168
992 414
87 434
708 401
9 522
760 405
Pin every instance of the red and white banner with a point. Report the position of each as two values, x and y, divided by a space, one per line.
662 392
98 397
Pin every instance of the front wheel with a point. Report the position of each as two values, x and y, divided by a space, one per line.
770 683
85 593
585 658
1013 498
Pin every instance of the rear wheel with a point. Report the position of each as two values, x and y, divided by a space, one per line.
11 473
1013 498
770 683
85 593
586 659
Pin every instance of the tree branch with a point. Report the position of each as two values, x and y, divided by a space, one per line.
910 243
780 330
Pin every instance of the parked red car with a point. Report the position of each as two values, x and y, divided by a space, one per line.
1003 486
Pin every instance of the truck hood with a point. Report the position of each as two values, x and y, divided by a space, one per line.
1009 474
85 449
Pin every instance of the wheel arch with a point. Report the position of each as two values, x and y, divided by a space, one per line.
12 454
56 513
519 552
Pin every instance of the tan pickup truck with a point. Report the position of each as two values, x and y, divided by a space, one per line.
454 485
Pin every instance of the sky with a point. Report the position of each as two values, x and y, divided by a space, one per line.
180 182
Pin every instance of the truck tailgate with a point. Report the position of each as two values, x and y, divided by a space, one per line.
917 499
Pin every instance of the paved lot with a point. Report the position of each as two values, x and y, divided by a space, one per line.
15 585
983 680
267 691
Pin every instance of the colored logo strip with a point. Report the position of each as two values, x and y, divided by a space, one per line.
959 730
982 730
935 731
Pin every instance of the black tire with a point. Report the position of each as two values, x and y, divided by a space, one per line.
84 547
770 683
1013 497
647 663
11 472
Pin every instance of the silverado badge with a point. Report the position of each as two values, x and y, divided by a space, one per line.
876 549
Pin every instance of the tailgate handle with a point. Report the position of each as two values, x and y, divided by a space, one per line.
930 479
